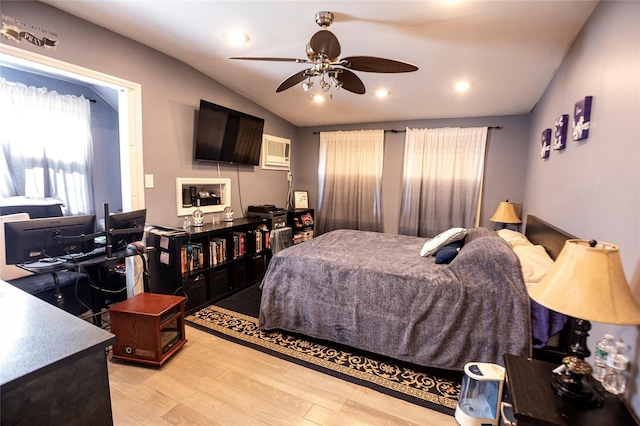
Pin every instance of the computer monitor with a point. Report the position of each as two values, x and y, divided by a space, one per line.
30 240
125 228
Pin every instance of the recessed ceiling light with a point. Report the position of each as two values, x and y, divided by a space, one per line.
236 37
462 86
382 93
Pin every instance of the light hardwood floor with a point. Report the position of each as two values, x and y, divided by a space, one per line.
212 381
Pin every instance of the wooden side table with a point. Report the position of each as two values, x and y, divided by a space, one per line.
149 328
536 403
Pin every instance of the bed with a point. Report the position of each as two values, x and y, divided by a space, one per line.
374 292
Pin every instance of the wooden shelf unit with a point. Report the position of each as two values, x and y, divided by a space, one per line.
149 328
210 281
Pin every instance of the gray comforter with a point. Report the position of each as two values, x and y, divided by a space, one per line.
374 292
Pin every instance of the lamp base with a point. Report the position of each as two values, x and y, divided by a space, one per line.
573 386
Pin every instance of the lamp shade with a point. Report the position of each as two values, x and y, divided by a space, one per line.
588 282
505 213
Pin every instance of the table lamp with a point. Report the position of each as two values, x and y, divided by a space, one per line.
505 214
588 283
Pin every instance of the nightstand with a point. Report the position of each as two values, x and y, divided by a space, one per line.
536 403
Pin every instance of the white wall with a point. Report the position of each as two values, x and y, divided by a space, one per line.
592 188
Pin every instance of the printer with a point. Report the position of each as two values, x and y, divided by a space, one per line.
277 215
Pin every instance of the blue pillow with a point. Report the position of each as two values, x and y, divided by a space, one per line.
449 252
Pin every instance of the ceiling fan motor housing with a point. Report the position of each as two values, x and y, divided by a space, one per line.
324 19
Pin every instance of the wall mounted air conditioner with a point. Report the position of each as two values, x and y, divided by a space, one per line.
276 153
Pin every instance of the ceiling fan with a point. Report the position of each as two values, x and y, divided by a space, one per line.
323 51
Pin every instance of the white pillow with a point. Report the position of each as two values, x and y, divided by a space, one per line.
442 239
514 238
535 262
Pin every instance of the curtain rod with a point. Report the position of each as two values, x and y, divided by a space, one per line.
403 131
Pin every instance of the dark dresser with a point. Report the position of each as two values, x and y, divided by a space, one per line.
53 365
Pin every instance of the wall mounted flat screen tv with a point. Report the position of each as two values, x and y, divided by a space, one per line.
227 136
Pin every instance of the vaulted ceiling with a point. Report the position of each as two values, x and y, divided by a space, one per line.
507 50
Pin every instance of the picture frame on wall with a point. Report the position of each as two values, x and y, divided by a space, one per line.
545 143
300 199
560 135
582 118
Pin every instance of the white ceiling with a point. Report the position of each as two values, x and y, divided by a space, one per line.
508 50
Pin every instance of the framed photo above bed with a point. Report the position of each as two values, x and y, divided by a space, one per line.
301 199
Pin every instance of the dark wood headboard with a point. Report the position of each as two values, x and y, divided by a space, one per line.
542 233
552 239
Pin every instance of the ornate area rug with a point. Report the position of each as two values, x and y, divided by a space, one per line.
434 389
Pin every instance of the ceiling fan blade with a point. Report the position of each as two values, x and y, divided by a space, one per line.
298 77
326 43
373 64
258 58
351 82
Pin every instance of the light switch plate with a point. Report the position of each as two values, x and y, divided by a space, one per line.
148 181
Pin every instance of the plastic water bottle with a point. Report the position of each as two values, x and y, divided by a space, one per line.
603 348
615 379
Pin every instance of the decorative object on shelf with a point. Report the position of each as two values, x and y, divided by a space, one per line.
301 199
586 282
505 214
545 143
582 118
228 214
198 215
560 135
306 219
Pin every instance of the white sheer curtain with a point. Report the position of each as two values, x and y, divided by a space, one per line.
46 146
442 179
350 180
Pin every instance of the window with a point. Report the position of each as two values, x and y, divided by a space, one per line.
46 146
442 179
350 180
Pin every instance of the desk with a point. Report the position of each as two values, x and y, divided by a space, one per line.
100 270
535 402
53 366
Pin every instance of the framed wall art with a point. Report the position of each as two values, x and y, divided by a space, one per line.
545 143
582 118
560 135
301 199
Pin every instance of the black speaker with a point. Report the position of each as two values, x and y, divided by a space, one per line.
194 194
186 197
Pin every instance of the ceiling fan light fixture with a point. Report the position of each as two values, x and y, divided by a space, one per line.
324 85
323 58
307 85
318 98
336 83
